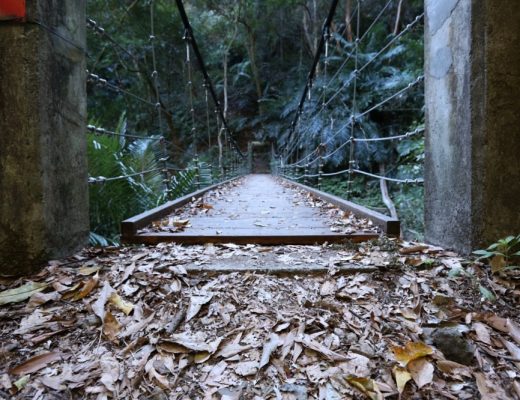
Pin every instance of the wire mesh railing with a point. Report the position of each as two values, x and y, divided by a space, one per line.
154 99
353 128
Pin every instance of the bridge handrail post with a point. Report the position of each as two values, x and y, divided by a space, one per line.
164 170
320 171
197 172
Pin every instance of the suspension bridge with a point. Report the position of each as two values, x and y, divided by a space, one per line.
302 158
260 209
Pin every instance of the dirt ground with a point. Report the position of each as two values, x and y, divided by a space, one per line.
384 319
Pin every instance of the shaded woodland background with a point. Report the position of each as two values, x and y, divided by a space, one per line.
258 54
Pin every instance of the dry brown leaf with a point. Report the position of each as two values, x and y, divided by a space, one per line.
494 321
513 330
413 249
35 363
109 371
488 389
247 368
327 288
89 270
516 388
411 351
514 350
482 332
180 223
421 371
37 299
453 368
185 343
99 305
498 263
136 327
121 304
83 290
318 347
402 376
269 347
111 326
232 349
196 303
367 386
32 322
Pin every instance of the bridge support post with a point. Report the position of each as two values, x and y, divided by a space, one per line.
472 177
43 164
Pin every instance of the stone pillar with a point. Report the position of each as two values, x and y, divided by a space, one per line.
472 177
43 165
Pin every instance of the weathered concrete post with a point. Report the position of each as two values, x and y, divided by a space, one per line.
472 179
43 165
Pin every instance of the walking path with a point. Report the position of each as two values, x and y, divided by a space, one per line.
257 209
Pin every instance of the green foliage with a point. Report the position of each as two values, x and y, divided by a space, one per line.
268 47
503 255
113 201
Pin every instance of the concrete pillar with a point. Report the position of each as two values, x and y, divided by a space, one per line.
472 178
43 166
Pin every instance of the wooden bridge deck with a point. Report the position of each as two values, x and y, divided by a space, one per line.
253 209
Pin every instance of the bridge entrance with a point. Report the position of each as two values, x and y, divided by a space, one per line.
260 154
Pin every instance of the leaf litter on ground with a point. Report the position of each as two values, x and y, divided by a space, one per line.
137 323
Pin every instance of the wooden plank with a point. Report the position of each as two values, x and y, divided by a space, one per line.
389 225
160 237
130 226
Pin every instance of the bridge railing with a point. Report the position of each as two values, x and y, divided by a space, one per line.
361 114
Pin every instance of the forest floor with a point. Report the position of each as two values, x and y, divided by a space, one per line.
382 319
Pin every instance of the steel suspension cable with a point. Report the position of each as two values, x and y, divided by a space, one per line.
207 80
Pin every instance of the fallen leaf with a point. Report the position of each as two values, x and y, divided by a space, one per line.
196 303
109 372
453 368
99 305
411 351
269 347
498 263
421 371
311 344
513 330
180 223
5 382
246 368
482 332
488 389
83 290
89 270
37 299
111 326
327 288
402 376
35 363
121 304
367 386
514 350
232 349
21 383
413 249
21 293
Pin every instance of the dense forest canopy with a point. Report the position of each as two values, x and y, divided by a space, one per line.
258 55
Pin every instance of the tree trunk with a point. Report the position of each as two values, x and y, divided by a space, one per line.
385 195
251 51
398 17
348 20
